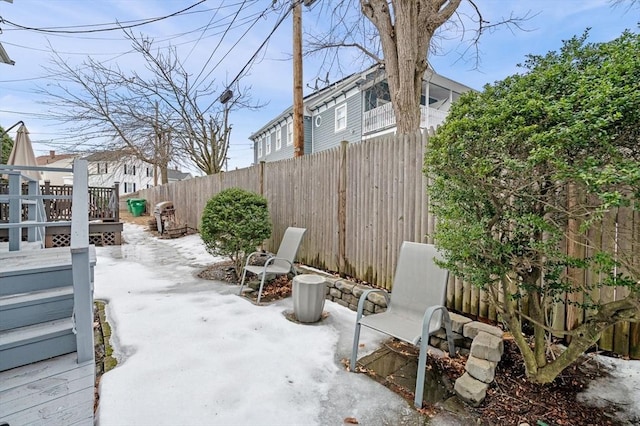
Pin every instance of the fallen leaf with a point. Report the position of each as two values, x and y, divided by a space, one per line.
351 421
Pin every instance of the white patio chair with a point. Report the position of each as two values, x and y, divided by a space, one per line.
415 308
281 263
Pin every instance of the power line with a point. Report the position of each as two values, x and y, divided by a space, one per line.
215 49
266 40
98 30
232 47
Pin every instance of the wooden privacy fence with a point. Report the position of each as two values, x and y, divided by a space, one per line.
358 202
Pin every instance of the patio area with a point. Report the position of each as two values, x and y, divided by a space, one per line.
191 351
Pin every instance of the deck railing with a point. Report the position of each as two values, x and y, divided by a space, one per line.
25 209
103 202
383 117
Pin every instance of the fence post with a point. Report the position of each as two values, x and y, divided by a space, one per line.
47 201
342 208
15 210
116 195
262 178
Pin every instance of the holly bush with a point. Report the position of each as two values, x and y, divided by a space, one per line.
234 223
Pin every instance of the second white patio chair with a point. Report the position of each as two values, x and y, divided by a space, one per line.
281 263
415 308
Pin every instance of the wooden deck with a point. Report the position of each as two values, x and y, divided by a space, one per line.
57 391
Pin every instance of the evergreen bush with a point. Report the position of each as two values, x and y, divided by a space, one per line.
234 223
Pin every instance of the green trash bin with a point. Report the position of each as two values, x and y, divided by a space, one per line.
138 206
129 205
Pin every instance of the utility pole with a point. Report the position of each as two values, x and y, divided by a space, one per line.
298 126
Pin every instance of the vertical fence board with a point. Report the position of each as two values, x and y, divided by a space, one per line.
634 328
607 293
624 234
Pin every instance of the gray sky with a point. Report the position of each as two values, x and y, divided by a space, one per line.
197 32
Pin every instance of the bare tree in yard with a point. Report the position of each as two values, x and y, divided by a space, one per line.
159 114
200 124
404 32
98 103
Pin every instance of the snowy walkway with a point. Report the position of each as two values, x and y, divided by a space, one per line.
191 352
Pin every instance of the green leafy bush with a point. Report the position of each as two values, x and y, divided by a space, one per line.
234 223
527 179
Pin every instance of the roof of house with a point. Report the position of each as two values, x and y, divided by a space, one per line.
43 160
111 155
178 175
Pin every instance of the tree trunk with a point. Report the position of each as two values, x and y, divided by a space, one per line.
405 35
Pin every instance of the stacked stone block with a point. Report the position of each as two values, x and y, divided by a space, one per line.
486 351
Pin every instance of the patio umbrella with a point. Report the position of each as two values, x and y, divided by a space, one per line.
22 153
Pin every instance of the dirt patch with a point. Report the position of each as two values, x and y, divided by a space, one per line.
275 289
513 400
143 220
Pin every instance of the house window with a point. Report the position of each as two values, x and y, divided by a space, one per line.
129 170
267 143
102 168
341 117
259 143
278 139
149 172
290 133
129 187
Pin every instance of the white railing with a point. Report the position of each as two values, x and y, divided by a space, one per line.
378 118
430 117
383 117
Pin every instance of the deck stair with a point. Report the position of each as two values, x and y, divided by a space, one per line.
36 306
47 370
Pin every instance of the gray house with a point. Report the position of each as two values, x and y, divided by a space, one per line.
354 109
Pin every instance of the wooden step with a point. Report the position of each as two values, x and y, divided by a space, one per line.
35 270
24 345
21 310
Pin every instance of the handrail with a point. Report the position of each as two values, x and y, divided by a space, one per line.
34 168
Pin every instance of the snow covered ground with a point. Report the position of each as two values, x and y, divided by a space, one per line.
191 352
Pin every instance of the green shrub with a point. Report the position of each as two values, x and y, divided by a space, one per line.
234 223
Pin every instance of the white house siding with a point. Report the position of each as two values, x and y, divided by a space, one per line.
115 172
325 135
58 178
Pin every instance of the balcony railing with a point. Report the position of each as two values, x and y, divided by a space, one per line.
383 117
